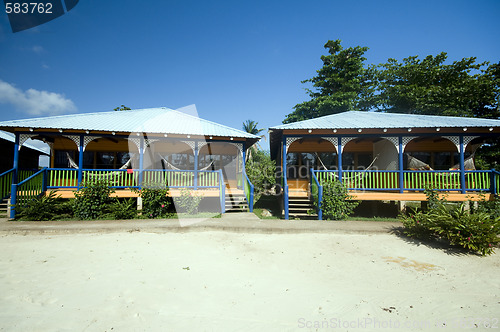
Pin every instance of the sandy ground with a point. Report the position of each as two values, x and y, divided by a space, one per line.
227 281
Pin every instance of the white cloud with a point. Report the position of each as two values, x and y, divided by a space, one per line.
35 102
37 49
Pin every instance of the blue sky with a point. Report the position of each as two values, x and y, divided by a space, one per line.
234 60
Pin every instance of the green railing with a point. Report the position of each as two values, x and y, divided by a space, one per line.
440 180
6 183
249 191
478 180
117 178
6 180
371 179
62 177
31 187
317 190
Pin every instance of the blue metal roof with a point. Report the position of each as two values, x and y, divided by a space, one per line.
150 120
365 120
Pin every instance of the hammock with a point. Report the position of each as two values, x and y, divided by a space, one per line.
356 176
415 164
468 164
72 164
169 165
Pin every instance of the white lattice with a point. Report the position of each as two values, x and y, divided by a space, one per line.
239 146
88 139
344 141
468 139
455 140
74 138
190 143
201 144
394 140
290 140
51 145
137 142
407 139
148 141
23 138
333 140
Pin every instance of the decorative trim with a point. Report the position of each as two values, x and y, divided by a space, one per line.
23 138
239 146
74 138
406 140
333 140
190 143
137 142
468 139
344 141
88 139
148 141
201 144
455 140
394 140
290 140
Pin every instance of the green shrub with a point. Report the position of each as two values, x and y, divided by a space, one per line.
91 200
336 204
46 207
155 200
123 209
261 172
473 230
188 201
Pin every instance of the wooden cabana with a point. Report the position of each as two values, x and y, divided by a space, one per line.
132 148
384 156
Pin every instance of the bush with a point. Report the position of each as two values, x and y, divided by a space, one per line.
476 230
155 200
50 207
188 201
336 203
91 200
261 172
124 209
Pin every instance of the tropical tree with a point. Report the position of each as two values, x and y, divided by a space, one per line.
430 86
122 108
342 84
250 127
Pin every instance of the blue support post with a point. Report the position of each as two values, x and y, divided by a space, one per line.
80 161
493 187
339 157
141 160
13 190
401 174
320 198
462 165
285 182
196 165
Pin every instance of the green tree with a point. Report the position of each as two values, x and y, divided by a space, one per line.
342 84
430 86
122 108
261 172
250 127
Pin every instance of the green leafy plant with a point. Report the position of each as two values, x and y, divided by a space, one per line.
45 207
336 203
473 230
123 209
261 171
155 200
91 200
188 201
